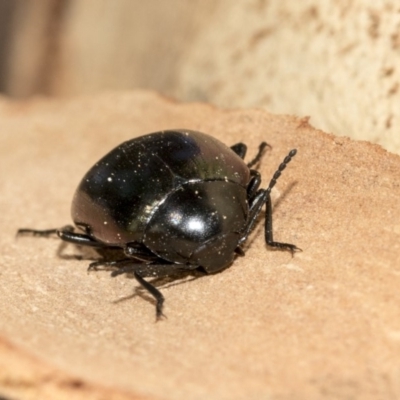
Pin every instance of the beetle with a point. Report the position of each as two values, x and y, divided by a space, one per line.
172 200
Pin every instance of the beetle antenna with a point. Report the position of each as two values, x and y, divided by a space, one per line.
278 172
259 155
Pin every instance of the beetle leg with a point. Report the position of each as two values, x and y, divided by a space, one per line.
255 208
143 270
43 233
261 197
268 231
154 292
268 215
240 149
253 186
138 269
68 235
259 154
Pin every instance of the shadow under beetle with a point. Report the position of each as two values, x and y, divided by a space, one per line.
171 201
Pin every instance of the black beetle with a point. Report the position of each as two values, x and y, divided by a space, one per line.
171 201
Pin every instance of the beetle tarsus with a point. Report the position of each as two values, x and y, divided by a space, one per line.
285 246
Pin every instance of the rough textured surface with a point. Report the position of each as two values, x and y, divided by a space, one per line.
334 60
323 324
337 61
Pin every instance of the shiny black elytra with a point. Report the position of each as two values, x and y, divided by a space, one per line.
172 200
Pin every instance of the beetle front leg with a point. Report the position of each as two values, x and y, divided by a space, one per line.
268 230
259 155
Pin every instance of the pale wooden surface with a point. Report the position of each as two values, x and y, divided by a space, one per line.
324 324
334 60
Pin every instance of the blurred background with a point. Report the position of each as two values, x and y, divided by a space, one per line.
337 61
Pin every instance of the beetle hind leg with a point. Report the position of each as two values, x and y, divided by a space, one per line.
156 269
119 267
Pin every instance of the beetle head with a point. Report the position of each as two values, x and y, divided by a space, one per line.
199 224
